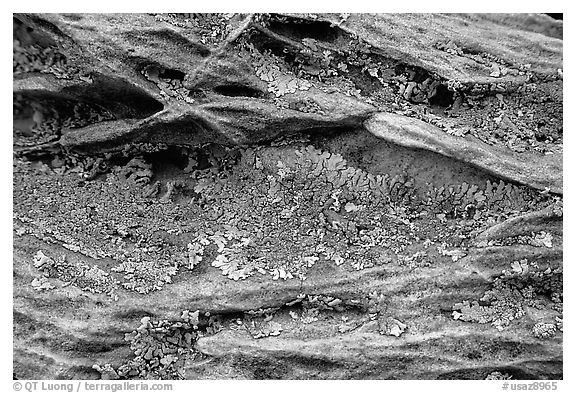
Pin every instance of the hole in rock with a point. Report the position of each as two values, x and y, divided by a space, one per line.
121 98
264 43
168 160
443 97
412 73
172 74
238 91
298 29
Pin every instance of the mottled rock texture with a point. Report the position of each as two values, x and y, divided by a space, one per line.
291 196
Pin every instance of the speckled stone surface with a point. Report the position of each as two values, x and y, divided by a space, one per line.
298 196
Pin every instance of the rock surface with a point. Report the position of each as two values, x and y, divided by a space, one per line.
541 172
298 196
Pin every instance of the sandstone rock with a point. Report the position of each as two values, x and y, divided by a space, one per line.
416 37
538 171
363 199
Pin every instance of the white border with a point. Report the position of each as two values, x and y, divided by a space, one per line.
299 6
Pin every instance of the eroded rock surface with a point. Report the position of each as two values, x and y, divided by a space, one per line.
535 170
355 196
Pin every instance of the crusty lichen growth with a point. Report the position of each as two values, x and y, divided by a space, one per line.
88 278
35 58
276 211
211 28
272 70
523 116
540 239
39 120
525 285
160 348
284 209
86 221
305 312
497 376
544 329
171 85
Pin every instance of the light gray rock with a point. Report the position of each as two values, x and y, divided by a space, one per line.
535 170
